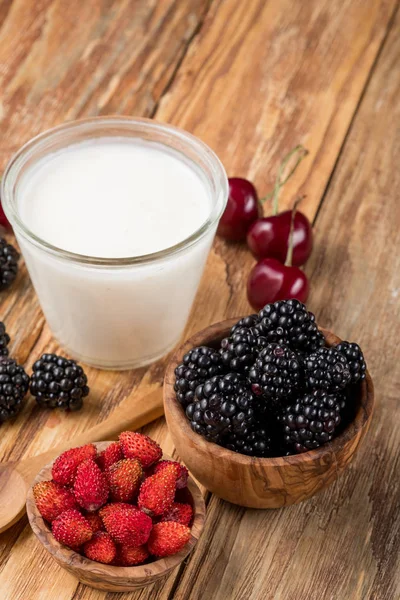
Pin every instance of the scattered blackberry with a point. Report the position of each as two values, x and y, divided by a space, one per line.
327 369
276 372
222 405
4 340
14 384
58 382
312 421
353 353
8 264
289 322
256 443
198 365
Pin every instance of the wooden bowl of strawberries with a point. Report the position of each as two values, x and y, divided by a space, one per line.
116 515
267 411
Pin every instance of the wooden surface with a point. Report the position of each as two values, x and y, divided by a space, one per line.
107 577
261 482
252 79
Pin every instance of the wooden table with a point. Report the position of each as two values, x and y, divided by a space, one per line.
251 78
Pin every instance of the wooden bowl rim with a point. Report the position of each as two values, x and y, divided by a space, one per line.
219 330
64 554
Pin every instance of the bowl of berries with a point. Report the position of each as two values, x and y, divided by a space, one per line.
268 410
116 515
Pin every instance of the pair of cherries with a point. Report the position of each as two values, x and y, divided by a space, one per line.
281 243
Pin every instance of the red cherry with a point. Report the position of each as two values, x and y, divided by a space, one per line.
241 211
3 219
270 281
268 237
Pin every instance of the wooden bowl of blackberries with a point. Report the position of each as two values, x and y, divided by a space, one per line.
268 410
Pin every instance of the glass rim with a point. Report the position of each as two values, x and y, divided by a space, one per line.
16 163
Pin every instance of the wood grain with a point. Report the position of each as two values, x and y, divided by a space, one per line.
62 60
261 77
345 542
258 77
261 482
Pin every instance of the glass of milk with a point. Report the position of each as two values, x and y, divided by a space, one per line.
115 218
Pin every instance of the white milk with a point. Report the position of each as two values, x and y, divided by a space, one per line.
115 198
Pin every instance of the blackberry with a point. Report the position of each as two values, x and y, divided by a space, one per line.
327 369
276 373
240 349
222 405
353 353
249 321
58 382
198 365
4 340
256 443
268 409
8 264
14 384
312 420
348 406
289 322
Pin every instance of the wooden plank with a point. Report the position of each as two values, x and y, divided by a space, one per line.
261 77
264 75
344 543
63 60
60 61
258 78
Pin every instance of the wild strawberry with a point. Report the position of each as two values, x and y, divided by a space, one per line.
128 557
71 528
90 487
65 466
109 456
158 491
180 513
137 445
168 538
126 524
100 548
124 479
95 521
181 472
52 499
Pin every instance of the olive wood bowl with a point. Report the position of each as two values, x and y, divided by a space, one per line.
107 577
261 482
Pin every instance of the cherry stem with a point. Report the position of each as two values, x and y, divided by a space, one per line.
289 254
280 180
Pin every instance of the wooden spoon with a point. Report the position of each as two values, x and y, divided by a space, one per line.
16 477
